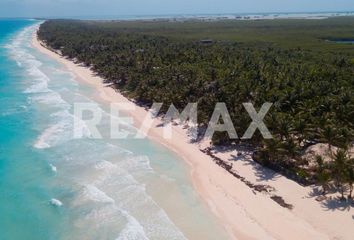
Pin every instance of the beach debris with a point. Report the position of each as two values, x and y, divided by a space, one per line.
261 188
321 198
228 167
281 202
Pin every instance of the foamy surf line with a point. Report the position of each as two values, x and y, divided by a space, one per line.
59 132
145 219
65 128
19 50
108 95
39 92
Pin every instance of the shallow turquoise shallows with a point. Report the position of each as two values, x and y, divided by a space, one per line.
54 186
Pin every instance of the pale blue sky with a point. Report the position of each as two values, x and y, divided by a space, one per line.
62 8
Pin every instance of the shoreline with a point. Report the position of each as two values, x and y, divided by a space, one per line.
244 213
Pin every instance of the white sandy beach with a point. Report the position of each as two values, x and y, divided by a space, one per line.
245 213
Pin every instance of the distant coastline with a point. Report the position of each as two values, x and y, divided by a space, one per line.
210 16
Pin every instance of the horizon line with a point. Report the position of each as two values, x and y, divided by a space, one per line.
175 14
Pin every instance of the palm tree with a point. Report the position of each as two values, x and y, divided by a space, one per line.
328 135
273 148
323 174
350 176
284 127
291 148
339 170
345 137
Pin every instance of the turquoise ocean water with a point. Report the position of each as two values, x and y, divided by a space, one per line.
53 186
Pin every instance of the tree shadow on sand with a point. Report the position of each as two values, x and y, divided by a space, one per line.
336 203
261 172
317 191
244 156
264 173
236 158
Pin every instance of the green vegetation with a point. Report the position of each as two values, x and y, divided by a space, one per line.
287 62
340 172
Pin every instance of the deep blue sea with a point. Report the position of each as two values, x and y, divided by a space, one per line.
53 186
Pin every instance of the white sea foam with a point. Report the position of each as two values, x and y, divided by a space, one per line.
117 179
122 225
136 164
133 230
113 183
19 52
50 136
37 81
105 165
56 202
53 168
111 197
95 194
61 131
50 98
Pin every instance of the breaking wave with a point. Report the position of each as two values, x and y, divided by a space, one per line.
105 191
